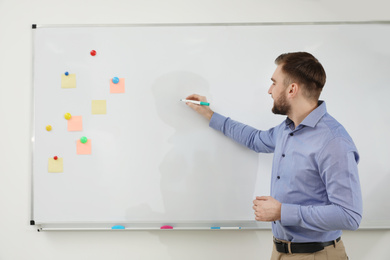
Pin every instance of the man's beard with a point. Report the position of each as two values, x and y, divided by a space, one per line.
281 107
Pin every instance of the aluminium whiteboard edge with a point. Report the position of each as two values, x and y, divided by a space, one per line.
212 24
32 124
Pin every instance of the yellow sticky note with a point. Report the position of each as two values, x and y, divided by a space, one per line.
68 81
56 165
99 107
84 148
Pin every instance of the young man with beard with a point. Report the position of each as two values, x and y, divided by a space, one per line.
315 188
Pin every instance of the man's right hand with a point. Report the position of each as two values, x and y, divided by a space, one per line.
203 110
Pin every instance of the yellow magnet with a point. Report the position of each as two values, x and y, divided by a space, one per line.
67 116
48 127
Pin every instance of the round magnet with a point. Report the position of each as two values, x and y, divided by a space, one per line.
83 139
93 53
115 80
68 116
66 73
55 158
48 127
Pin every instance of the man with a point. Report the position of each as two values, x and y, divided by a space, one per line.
315 188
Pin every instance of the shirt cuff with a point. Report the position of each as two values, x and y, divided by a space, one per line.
290 215
217 121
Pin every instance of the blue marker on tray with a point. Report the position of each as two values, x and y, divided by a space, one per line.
225 227
118 227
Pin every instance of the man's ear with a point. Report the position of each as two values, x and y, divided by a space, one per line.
293 90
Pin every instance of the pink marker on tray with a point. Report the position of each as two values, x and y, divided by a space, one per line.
166 227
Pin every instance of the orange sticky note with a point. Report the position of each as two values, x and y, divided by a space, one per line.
75 123
56 165
119 87
84 148
99 107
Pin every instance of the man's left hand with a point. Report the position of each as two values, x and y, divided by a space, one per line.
267 208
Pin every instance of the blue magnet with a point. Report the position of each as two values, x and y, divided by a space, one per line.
66 73
115 80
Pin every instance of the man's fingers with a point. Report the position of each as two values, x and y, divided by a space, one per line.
197 97
262 198
194 97
192 105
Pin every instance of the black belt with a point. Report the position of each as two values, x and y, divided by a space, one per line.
282 247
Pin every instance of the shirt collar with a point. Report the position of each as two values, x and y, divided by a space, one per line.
313 118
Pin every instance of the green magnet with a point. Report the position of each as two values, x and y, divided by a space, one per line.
83 139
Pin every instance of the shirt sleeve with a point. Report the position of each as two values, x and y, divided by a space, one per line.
257 140
338 171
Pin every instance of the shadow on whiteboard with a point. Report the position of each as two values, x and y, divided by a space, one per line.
203 175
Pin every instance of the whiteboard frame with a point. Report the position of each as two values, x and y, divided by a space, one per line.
148 226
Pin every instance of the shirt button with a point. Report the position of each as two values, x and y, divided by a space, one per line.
291 134
283 155
278 177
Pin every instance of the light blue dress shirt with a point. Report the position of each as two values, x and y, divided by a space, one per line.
314 174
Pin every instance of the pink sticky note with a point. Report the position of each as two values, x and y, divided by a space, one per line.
84 148
119 87
75 123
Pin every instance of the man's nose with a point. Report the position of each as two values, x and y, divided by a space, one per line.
270 90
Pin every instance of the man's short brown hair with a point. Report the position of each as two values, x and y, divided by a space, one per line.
305 69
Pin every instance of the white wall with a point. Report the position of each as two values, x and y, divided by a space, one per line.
18 240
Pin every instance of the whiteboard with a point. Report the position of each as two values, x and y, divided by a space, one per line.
153 160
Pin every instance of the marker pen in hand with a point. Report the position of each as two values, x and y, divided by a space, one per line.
196 102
